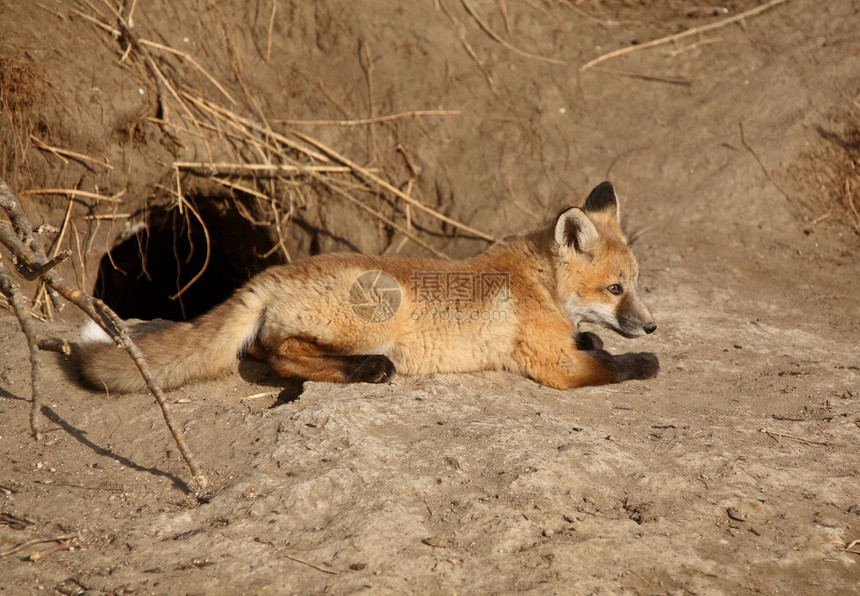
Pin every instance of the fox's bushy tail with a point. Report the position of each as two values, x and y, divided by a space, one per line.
202 349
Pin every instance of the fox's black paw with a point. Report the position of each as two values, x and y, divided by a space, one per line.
587 341
639 366
368 369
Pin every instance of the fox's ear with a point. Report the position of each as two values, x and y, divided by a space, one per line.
602 200
575 231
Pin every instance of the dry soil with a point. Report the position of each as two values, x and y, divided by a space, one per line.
735 153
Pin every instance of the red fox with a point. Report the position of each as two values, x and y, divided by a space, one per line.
354 318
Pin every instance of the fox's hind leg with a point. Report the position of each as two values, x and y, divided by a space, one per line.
302 358
257 352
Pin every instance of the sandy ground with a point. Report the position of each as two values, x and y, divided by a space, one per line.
735 471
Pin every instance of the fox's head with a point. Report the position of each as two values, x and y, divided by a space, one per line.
597 277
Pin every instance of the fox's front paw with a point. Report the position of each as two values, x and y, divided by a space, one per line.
638 366
587 341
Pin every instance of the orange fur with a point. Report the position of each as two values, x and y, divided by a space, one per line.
347 317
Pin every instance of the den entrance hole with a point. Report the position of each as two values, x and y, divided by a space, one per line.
143 273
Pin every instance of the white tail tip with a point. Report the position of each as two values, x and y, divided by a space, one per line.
91 333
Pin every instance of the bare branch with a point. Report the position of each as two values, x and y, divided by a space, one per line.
30 259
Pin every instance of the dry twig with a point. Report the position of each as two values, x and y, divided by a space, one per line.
468 47
670 38
193 63
63 153
25 231
161 81
222 168
345 195
694 45
760 162
62 538
371 178
190 283
652 78
246 124
777 435
286 154
74 193
9 288
322 568
516 50
241 188
107 216
30 265
51 549
271 27
375 120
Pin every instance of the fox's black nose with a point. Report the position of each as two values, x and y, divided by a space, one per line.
650 327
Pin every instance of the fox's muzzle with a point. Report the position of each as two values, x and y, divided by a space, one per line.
630 327
634 319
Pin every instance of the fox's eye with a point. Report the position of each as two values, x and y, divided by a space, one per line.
615 289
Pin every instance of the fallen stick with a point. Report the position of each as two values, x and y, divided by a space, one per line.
773 433
9 288
28 262
51 549
28 543
650 78
670 38
376 120
220 167
322 568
